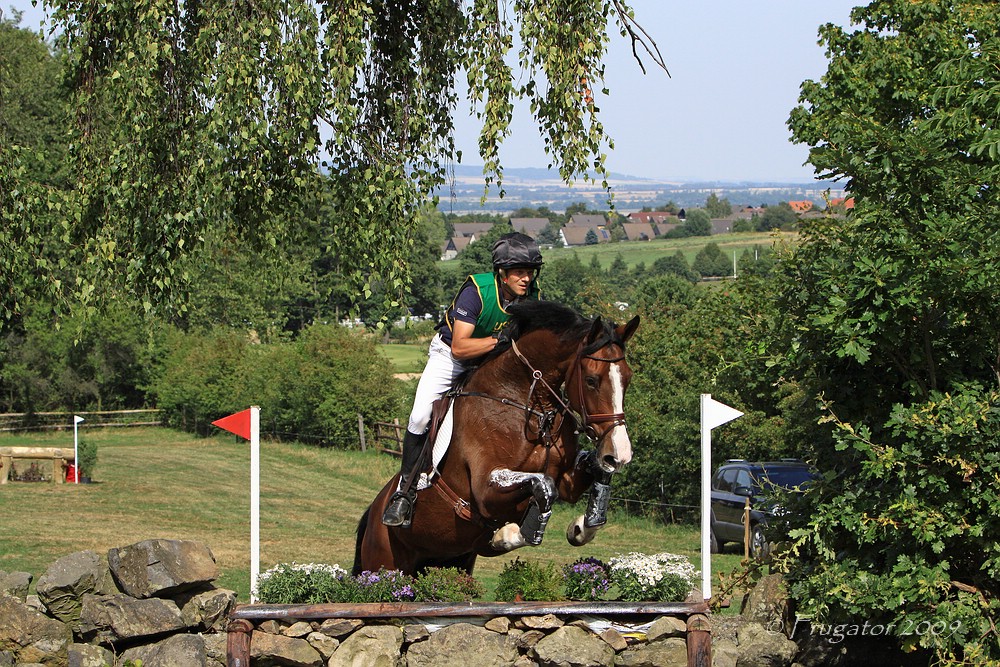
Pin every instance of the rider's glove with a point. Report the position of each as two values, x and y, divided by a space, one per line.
502 336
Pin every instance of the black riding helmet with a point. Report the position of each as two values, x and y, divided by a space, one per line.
516 250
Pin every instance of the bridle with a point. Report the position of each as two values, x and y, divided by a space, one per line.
586 422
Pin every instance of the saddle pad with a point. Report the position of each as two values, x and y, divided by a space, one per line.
441 443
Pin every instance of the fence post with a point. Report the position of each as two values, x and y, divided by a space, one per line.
746 528
361 430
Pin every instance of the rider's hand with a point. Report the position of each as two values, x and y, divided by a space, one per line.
502 336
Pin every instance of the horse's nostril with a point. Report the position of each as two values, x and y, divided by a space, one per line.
611 462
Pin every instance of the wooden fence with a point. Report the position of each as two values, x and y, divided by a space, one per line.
42 421
389 437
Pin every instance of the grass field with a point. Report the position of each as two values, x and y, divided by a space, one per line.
159 483
406 358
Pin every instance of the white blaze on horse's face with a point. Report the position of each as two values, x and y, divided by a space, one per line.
620 443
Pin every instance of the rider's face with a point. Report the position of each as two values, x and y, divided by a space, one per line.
517 280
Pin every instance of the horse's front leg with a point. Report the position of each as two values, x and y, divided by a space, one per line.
584 528
532 528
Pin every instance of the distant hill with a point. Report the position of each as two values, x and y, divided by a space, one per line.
534 187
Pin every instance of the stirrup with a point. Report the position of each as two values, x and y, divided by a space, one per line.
399 511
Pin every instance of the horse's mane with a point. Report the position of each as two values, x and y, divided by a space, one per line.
528 316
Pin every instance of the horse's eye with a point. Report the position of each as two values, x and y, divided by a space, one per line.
592 381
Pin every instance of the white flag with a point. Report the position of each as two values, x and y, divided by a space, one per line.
715 414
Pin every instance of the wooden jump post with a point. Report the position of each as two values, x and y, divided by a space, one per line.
58 455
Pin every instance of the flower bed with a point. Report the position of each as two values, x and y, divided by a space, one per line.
630 577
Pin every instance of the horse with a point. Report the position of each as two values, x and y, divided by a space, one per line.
514 447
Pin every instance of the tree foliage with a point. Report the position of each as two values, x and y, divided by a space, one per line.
890 318
198 119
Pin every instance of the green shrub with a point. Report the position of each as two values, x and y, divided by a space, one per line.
95 363
300 583
311 389
447 585
197 378
86 461
530 581
312 583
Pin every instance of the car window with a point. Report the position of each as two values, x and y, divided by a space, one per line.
743 479
786 478
717 482
726 483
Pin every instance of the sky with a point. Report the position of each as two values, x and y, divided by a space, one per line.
735 71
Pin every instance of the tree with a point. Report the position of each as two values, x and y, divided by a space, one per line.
711 261
33 148
717 208
590 238
675 264
890 318
188 116
777 217
477 257
564 279
33 102
697 223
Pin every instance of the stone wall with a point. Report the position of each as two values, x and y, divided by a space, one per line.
153 601
156 601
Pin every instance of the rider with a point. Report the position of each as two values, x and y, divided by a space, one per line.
469 330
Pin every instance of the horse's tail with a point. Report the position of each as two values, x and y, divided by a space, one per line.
362 527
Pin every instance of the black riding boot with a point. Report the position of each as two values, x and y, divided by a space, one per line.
400 507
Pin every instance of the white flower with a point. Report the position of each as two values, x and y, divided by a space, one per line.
648 570
305 568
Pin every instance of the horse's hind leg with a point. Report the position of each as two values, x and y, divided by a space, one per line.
532 529
362 528
376 548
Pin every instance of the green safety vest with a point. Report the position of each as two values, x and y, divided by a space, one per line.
493 317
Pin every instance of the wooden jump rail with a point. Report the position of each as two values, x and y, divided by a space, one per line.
59 456
240 628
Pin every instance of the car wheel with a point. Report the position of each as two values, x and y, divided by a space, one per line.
713 542
759 547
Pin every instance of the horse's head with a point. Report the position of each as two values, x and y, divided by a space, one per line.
596 385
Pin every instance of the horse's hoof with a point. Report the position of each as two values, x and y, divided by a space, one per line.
578 533
507 538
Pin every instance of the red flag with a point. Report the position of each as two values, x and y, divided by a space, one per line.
238 423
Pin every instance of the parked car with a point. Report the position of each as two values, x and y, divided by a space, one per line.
735 481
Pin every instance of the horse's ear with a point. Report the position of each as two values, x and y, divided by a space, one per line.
596 329
625 331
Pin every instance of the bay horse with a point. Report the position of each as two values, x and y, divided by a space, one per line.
514 447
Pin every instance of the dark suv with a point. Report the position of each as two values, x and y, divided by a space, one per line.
737 480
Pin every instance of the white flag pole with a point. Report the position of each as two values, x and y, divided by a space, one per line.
76 449
254 500
713 414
